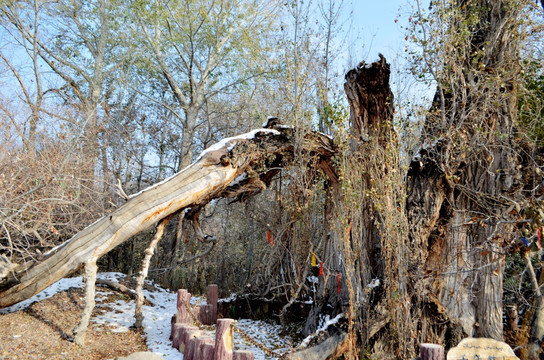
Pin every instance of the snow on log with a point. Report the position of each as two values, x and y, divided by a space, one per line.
230 168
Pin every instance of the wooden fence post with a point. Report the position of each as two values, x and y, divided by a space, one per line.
208 351
184 297
431 352
212 295
176 335
185 331
190 345
205 314
199 352
224 340
172 322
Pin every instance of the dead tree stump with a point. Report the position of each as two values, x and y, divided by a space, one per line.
431 352
224 340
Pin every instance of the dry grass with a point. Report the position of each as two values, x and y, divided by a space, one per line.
42 331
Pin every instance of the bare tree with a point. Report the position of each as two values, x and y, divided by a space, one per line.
203 49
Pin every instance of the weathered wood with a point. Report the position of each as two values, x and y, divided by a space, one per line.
205 314
224 340
195 313
243 355
431 352
190 345
177 334
172 323
212 295
208 351
186 331
184 299
211 176
199 351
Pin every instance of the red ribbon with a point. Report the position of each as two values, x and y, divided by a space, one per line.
321 268
273 240
338 280
268 235
539 237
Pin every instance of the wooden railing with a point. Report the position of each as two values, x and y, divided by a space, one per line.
187 330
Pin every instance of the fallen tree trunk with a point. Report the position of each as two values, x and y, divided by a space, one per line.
235 167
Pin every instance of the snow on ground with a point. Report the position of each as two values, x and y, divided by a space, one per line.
119 316
59 286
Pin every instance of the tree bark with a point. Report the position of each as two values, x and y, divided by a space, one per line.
212 176
461 182
365 244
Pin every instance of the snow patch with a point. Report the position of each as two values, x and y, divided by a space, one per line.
374 283
118 316
232 297
230 143
238 179
328 322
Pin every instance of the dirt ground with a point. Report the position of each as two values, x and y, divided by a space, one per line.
43 331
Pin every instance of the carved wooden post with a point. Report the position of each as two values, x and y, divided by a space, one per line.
184 297
244 355
186 330
205 314
224 340
431 352
212 294
190 345
199 352
176 335
172 323
208 351
196 314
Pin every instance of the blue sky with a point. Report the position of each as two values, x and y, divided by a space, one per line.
373 28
